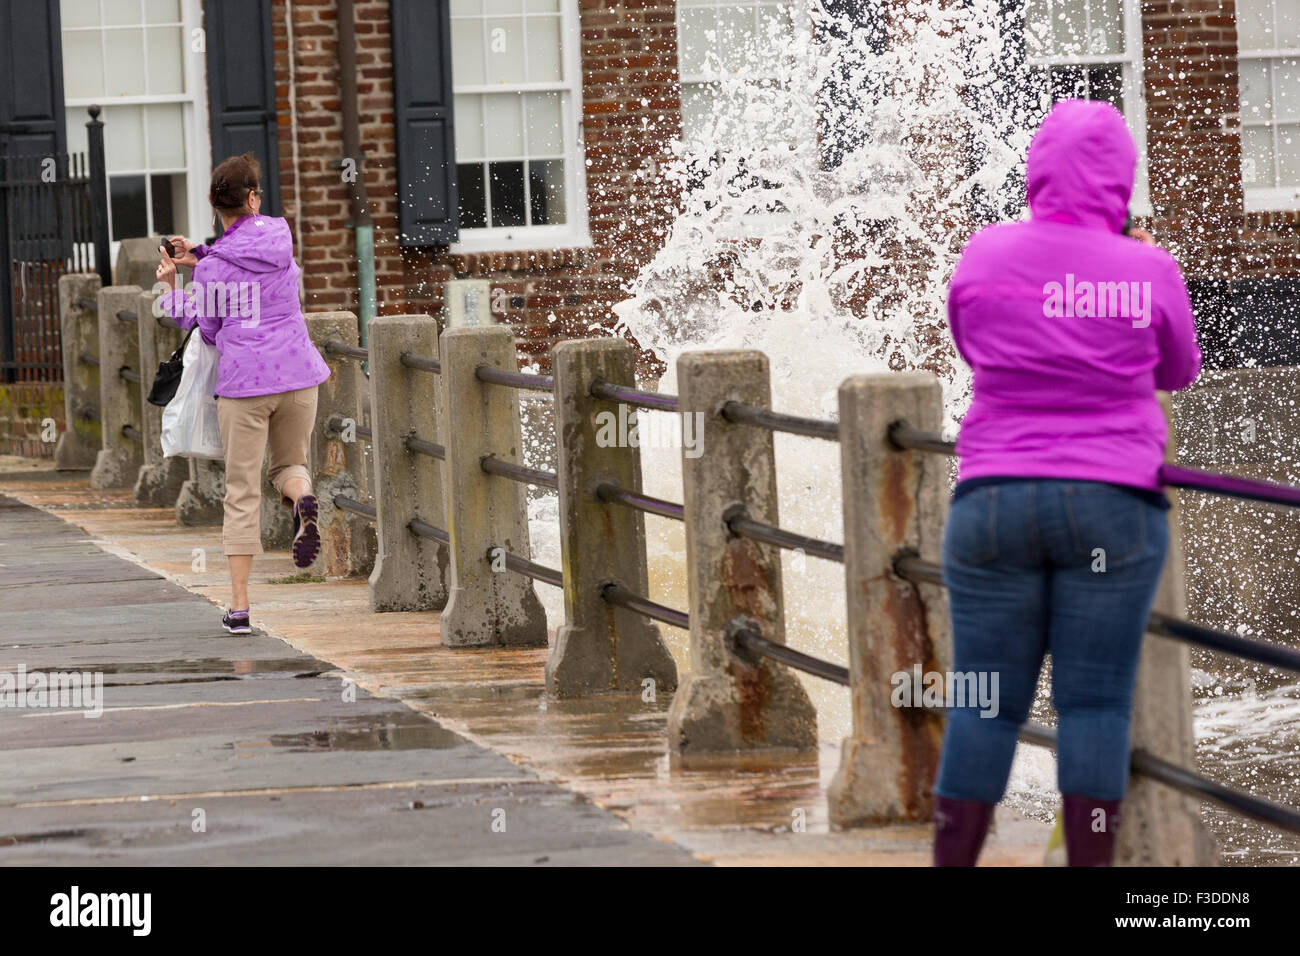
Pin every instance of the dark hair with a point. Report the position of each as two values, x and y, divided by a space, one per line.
232 182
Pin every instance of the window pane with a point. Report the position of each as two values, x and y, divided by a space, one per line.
1038 28
166 71
546 182
1256 156
1288 154
1106 27
693 41
503 6
122 11
1107 83
161 189
166 136
462 8
1253 80
1288 24
507 182
542 6
503 126
467 52
505 49
83 64
124 58
123 137
735 36
127 207
468 112
697 109
1286 80
79 13
1069 26
544 45
162 11
1068 82
544 120
1255 25
472 210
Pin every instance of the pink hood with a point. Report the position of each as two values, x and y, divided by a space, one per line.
1069 326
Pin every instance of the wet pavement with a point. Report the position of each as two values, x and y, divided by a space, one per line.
256 731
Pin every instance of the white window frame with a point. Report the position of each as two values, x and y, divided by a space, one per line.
573 233
1269 198
194 116
1132 88
758 225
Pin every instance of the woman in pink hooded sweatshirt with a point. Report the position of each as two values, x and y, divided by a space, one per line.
1057 532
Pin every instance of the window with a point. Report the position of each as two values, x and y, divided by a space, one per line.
716 38
1268 68
133 57
1092 49
517 88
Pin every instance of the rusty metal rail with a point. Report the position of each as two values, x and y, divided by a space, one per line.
746 414
633 396
421 363
520 473
612 494
535 571
525 380
621 597
356 507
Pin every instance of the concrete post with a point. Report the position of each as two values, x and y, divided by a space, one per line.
730 702
338 466
893 501
486 514
1161 826
600 648
82 438
202 496
160 479
119 458
411 573
137 261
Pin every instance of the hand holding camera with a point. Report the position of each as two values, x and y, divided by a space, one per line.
177 249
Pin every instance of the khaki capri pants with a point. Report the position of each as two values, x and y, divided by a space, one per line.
284 420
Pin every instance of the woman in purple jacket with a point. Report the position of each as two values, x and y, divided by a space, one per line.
244 299
1057 532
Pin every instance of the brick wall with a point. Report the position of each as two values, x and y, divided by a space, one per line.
630 111
23 408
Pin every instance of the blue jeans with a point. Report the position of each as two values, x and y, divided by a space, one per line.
1041 566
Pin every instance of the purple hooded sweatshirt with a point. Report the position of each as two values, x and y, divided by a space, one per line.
1069 325
245 302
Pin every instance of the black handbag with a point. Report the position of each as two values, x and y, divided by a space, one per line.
168 378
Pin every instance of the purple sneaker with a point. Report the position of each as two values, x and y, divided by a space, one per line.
306 535
236 622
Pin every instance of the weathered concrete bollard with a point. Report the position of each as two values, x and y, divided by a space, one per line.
486 514
1159 825
81 440
337 465
159 482
120 456
202 495
137 260
411 573
729 702
894 501
600 648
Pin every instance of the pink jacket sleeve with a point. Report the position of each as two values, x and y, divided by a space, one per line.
1180 356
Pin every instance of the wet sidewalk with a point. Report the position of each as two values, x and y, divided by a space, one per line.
256 732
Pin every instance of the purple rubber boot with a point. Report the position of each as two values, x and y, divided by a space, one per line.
959 830
1091 826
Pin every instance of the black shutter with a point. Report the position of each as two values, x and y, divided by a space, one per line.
241 88
426 145
31 79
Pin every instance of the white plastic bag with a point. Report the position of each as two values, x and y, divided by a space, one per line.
189 420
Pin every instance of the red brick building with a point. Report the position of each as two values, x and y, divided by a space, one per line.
522 141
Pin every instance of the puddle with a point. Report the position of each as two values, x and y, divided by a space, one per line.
372 734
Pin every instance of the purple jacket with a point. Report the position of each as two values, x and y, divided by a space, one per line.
1069 325
244 298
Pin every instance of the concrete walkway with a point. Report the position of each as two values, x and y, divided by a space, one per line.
255 731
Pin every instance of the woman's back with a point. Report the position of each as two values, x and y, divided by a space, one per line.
1068 325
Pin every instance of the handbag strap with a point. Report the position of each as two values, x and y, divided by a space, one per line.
180 349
